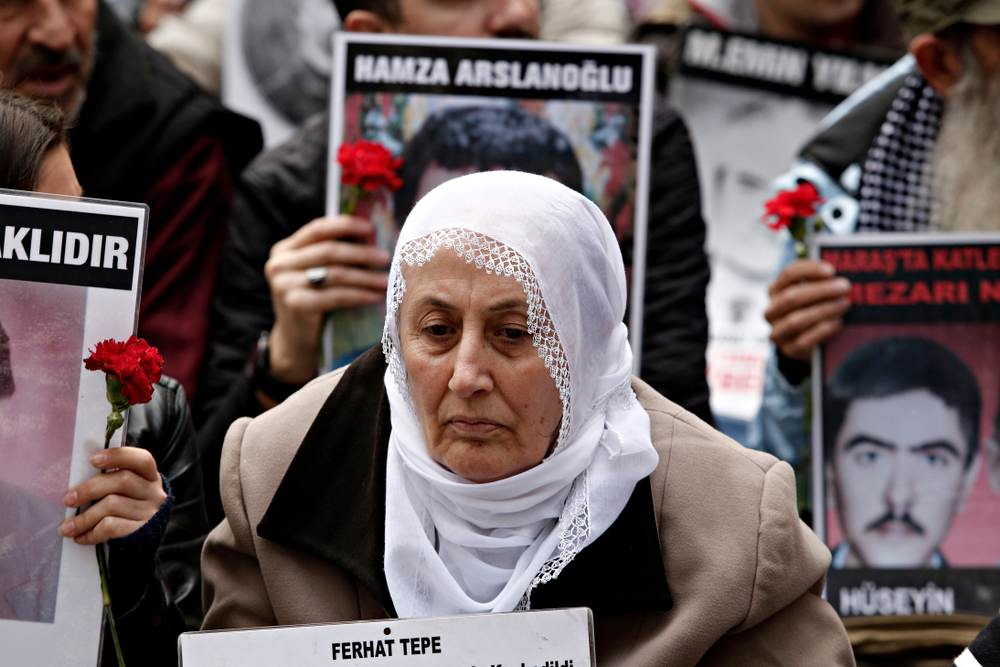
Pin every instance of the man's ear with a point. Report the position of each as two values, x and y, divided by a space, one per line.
939 60
360 20
969 480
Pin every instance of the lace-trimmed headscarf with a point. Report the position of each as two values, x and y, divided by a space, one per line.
454 546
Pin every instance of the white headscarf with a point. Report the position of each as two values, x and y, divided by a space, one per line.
454 546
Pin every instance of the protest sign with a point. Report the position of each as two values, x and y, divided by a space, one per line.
549 638
276 62
70 274
449 107
906 465
750 103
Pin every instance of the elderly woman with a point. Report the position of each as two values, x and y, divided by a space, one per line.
496 454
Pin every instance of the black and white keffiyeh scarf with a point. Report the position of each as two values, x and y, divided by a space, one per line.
896 191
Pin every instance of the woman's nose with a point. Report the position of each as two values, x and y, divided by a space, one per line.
471 372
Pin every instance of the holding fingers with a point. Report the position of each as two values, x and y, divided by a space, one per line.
808 302
124 498
320 268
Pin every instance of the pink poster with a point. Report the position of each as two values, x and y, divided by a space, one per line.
906 427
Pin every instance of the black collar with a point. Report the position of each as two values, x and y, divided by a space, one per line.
331 504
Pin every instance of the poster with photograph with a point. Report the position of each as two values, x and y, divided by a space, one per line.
906 412
70 274
751 104
276 62
448 107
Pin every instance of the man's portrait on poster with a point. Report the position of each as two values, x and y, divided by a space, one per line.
901 422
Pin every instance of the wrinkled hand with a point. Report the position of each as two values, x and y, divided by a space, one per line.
124 498
355 279
808 302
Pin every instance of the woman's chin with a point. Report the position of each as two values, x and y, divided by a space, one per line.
475 462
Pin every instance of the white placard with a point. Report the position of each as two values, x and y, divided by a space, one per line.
549 638
70 276
276 62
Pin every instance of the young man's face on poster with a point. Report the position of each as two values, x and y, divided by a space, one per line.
901 473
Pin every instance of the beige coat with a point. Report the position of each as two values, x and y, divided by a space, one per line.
745 575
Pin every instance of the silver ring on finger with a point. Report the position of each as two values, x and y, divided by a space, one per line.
317 276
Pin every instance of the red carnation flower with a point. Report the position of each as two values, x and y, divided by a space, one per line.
787 205
369 165
135 364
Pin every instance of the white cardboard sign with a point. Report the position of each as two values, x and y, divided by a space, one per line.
548 638
70 277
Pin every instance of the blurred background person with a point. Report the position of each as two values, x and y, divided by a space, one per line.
915 151
151 508
141 132
831 24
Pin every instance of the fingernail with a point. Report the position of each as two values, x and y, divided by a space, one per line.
98 458
842 284
827 268
69 500
66 529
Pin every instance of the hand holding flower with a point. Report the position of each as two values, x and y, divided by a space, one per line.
808 300
130 371
125 497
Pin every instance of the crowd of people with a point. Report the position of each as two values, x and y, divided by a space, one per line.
494 452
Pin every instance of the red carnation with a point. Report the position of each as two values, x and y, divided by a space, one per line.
787 205
133 365
369 165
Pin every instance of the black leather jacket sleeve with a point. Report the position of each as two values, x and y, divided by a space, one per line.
170 602
675 324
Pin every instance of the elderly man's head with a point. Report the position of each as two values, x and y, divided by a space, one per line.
468 18
900 435
957 47
47 49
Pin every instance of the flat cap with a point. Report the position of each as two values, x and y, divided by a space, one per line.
920 16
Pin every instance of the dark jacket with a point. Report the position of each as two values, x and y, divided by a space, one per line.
286 188
146 133
155 572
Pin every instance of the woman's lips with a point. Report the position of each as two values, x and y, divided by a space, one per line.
474 426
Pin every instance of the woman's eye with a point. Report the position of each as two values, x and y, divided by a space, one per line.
438 330
513 334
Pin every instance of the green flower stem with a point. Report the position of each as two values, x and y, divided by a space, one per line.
103 567
115 422
351 203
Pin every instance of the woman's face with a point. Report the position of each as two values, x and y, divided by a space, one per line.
488 407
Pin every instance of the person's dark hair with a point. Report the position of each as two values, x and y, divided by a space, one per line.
387 9
486 138
28 130
890 366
